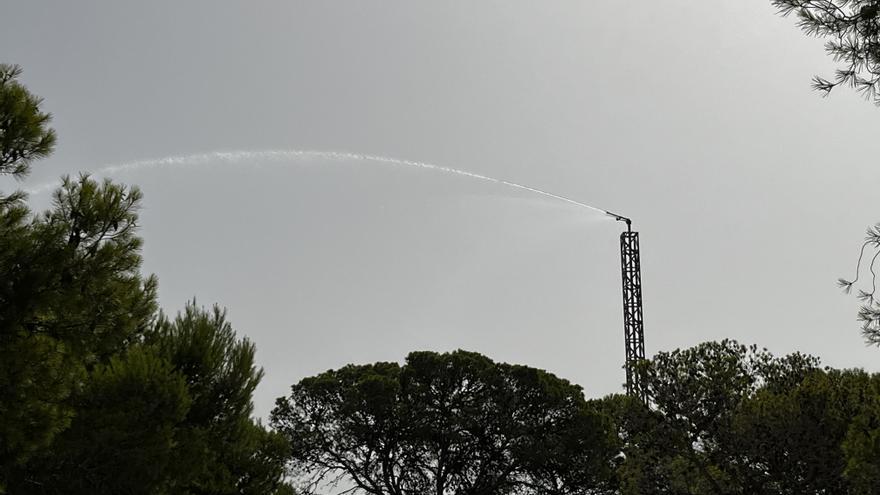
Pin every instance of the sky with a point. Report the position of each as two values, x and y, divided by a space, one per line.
751 193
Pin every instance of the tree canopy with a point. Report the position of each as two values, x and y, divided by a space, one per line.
72 296
445 423
722 418
730 419
99 391
221 449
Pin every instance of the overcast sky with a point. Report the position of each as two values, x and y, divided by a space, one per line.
695 118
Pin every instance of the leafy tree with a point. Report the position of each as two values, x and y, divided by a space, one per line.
791 440
24 132
862 443
730 419
651 460
687 442
852 29
71 296
445 423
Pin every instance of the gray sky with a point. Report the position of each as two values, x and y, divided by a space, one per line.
696 119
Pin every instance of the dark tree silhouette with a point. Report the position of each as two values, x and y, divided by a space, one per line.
852 29
445 423
735 420
869 314
24 132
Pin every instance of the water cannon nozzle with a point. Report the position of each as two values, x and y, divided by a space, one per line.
620 218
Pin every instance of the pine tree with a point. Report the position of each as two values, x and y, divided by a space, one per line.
852 30
24 132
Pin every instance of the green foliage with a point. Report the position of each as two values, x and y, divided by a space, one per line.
73 272
445 423
24 132
219 368
221 450
82 360
852 28
125 424
730 419
97 395
169 416
72 296
698 388
862 443
123 437
790 440
37 376
94 225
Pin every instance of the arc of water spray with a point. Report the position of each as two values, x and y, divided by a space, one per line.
277 155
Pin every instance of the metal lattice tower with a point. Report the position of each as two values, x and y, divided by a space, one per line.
633 319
